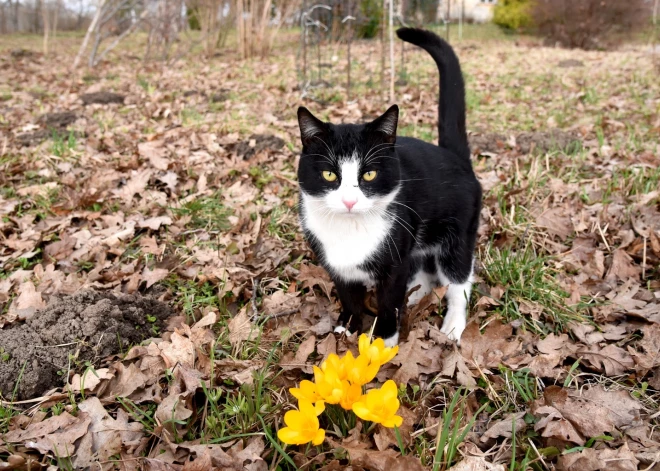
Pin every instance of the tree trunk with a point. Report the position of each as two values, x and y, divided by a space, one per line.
391 51
90 31
46 21
382 49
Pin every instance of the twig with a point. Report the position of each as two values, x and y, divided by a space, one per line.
644 260
253 299
288 312
602 235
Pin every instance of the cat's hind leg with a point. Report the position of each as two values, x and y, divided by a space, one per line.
458 278
425 277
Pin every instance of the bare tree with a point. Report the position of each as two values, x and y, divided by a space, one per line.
214 18
50 14
117 18
391 3
257 24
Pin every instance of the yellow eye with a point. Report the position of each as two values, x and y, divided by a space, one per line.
369 176
329 176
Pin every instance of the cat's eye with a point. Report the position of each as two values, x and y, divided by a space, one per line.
329 176
369 176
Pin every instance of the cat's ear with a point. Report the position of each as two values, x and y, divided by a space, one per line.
310 126
386 123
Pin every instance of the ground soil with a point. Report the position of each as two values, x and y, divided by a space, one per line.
526 142
102 98
85 327
257 143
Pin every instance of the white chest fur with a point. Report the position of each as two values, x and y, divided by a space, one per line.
348 240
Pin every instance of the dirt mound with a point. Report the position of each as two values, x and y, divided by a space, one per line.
257 143
526 142
58 120
570 63
102 98
68 333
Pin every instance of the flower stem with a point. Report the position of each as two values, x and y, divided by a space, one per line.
399 440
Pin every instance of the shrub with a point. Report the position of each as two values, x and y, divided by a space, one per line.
512 15
589 24
369 14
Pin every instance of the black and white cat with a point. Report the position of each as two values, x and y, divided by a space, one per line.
393 213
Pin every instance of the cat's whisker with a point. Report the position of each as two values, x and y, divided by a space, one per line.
378 148
330 151
408 207
401 222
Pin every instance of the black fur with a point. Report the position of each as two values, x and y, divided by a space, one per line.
438 204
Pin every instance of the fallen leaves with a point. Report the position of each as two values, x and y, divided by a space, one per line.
575 416
156 197
90 437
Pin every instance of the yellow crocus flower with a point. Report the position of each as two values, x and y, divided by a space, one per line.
306 392
328 385
380 406
376 350
302 426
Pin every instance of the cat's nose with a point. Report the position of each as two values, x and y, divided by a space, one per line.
349 203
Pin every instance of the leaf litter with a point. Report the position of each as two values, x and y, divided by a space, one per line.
152 194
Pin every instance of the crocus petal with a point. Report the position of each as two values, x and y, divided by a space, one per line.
387 354
294 419
393 421
289 436
362 411
307 391
363 344
306 408
319 437
389 389
319 407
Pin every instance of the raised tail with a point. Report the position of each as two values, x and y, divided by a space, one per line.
451 111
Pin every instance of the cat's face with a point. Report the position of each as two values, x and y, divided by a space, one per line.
349 169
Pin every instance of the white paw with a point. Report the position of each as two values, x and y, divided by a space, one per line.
454 325
392 341
340 329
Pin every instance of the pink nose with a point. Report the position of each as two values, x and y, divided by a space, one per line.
349 204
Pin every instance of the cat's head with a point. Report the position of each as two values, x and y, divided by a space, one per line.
349 169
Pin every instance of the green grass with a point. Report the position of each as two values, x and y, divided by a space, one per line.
194 297
206 213
424 132
282 223
191 117
472 32
451 432
526 276
633 180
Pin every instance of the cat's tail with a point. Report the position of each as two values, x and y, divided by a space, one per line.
451 111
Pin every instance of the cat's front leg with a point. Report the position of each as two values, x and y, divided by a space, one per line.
351 295
391 296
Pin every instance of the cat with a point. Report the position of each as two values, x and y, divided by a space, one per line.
393 213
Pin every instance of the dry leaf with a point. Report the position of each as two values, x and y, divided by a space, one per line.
27 303
504 427
154 276
106 435
476 463
623 267
241 328
312 275
488 349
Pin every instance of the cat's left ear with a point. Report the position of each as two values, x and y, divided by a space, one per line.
310 126
386 123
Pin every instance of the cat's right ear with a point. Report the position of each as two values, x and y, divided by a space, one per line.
310 126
